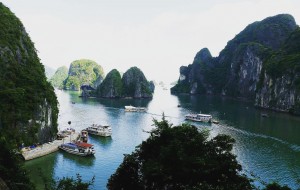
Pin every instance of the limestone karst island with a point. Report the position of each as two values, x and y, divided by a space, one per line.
107 95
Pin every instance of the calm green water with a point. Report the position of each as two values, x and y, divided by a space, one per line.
267 148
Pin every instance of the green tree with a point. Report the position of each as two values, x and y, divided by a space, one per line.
276 186
69 183
180 157
11 168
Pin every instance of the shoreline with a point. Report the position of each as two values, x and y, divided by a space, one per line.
47 148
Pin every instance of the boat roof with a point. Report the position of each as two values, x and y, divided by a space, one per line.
128 107
199 114
70 145
83 144
205 115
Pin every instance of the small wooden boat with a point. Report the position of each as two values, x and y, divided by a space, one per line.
79 148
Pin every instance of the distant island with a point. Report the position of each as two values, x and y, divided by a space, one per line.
83 72
261 64
59 77
133 84
88 77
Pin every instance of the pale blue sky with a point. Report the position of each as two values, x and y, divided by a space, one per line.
157 36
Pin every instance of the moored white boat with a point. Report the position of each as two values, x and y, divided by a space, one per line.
199 117
79 148
100 130
135 109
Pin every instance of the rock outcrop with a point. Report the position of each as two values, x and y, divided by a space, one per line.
83 72
246 66
152 86
29 110
61 74
133 84
112 86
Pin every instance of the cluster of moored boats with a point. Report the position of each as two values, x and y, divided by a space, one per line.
81 147
74 143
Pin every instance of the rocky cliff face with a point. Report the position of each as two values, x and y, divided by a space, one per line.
135 84
112 86
28 103
83 72
244 68
279 94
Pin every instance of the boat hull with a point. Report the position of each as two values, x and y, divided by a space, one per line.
103 134
77 152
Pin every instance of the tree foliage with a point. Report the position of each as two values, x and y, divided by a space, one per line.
180 157
69 183
276 186
11 167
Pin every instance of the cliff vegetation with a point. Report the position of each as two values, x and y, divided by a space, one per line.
28 103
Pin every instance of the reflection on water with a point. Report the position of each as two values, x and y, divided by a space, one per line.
269 148
88 161
41 170
104 142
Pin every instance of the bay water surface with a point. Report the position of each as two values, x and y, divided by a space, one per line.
268 148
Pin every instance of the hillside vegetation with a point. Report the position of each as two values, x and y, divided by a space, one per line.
83 71
59 77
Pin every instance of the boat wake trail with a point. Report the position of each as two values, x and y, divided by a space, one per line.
294 147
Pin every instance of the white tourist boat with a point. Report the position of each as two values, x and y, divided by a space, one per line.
135 109
101 130
199 117
79 148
